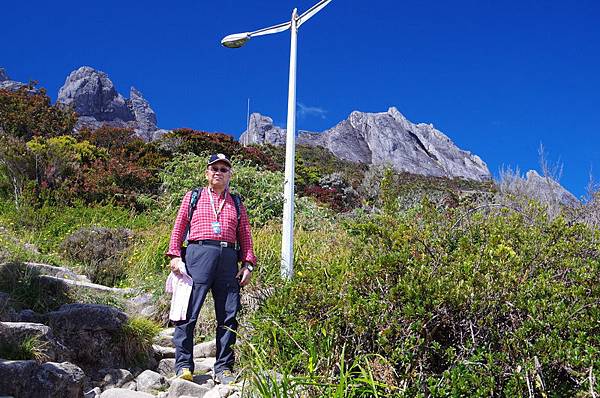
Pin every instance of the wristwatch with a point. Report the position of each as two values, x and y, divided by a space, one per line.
249 267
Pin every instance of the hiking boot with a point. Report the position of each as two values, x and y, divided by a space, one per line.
185 374
225 377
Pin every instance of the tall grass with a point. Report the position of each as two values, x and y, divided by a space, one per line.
354 379
30 347
136 338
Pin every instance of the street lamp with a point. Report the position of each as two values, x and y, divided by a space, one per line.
239 39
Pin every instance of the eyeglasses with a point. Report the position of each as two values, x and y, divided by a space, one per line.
217 169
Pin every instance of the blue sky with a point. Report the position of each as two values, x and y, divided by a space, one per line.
498 78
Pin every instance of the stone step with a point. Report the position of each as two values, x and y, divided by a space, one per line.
166 367
85 285
59 272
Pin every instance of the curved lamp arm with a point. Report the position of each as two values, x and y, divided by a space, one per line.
306 15
239 39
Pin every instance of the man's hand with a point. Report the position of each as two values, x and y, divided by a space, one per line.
174 264
243 276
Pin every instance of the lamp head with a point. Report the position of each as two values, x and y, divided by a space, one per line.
236 40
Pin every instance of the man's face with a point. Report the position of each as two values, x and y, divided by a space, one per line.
218 174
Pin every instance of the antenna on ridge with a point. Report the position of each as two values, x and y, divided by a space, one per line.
248 116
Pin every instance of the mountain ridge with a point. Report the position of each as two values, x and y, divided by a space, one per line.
384 138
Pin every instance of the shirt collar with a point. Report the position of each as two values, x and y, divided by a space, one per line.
214 193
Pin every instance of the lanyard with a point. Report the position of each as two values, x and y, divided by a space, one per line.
212 203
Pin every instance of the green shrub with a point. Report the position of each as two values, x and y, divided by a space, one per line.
261 190
47 225
460 303
136 338
100 251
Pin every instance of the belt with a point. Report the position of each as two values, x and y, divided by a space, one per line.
212 242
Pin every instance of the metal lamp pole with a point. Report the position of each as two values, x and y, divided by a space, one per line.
239 39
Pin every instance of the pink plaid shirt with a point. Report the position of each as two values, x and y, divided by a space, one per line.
201 228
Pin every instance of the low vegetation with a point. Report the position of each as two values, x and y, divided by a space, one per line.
136 338
404 286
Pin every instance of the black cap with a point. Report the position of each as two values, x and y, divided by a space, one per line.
218 157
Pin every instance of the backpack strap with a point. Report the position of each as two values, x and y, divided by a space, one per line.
238 205
238 208
196 193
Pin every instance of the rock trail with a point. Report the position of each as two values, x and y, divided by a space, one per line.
82 355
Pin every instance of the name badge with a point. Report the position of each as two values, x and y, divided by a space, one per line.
216 227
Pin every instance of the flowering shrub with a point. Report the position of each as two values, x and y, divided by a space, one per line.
27 112
186 140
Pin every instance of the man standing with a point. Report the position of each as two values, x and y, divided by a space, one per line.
211 259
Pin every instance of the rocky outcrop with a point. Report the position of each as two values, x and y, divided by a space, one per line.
542 188
3 75
91 338
261 130
95 99
143 114
91 332
385 138
91 93
7 84
547 190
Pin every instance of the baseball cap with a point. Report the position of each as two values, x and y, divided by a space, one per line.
218 157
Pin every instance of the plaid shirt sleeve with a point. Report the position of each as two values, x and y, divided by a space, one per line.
181 223
245 238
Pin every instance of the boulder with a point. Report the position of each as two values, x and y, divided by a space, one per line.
41 380
50 281
165 337
124 393
220 391
92 332
161 352
206 349
52 270
141 304
30 316
132 385
181 387
166 367
13 334
114 378
149 381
